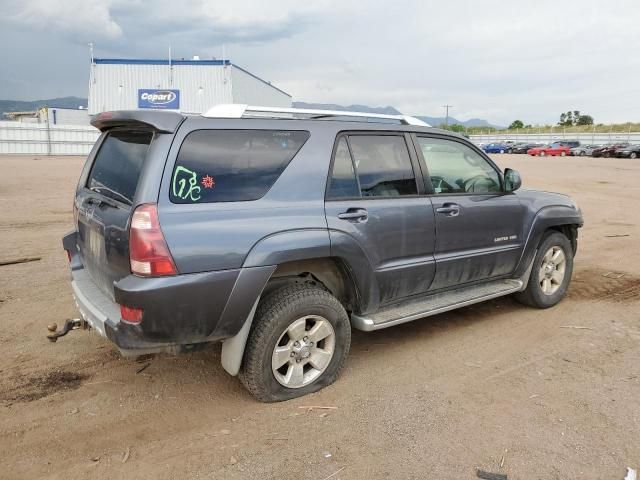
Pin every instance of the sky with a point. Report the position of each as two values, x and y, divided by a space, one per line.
497 60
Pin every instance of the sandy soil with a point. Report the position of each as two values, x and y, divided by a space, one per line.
496 386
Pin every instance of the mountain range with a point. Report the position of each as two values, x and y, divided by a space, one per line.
433 121
75 102
29 106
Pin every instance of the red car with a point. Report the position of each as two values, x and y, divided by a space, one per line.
553 150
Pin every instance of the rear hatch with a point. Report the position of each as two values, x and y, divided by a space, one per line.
104 203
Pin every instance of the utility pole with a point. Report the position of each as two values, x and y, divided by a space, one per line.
446 120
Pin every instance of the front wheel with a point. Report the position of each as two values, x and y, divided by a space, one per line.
298 343
633 155
541 154
551 272
562 154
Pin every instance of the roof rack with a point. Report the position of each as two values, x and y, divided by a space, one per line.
237 110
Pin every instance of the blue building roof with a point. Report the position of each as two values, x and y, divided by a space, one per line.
150 61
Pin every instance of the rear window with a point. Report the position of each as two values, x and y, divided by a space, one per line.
232 165
116 168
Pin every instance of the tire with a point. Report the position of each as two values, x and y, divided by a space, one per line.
534 295
582 153
563 154
300 307
606 155
501 151
633 155
542 154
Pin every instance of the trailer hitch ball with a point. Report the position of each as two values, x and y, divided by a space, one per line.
69 324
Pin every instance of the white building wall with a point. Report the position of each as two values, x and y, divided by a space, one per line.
114 86
65 116
251 90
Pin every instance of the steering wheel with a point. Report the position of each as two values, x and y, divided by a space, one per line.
471 183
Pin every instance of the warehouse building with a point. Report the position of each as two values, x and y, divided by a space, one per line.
188 86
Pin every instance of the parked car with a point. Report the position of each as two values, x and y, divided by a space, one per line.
583 150
569 143
495 148
552 150
630 151
279 235
524 147
607 151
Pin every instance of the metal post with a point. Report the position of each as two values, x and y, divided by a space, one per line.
46 113
446 119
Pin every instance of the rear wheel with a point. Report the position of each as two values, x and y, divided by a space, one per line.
582 153
501 151
633 155
298 343
563 153
551 272
606 155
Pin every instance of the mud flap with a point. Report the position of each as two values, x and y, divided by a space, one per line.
233 348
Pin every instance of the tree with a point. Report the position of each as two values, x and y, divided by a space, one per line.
566 119
572 118
455 127
516 124
585 120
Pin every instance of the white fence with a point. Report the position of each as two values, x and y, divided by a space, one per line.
44 139
546 138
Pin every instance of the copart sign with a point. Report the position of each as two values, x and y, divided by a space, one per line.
162 99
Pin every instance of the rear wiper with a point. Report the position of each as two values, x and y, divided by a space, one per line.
99 189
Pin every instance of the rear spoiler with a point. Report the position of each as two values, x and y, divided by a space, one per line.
164 122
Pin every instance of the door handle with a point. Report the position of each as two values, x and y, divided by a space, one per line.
357 214
449 209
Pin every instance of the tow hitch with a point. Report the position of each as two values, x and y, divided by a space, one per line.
69 324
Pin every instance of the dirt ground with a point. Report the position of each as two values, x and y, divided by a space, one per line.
495 386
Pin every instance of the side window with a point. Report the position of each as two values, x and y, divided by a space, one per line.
343 177
232 165
383 165
456 168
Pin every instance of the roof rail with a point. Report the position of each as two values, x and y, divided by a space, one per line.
237 110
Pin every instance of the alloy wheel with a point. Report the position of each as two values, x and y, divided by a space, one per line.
303 351
552 270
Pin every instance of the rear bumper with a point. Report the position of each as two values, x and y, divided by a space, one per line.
179 311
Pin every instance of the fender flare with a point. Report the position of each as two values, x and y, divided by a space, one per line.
545 218
256 271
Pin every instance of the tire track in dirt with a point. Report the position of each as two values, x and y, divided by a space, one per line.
591 284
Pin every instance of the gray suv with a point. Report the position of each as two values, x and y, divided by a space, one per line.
277 231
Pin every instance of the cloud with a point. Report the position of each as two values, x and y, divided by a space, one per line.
78 20
493 59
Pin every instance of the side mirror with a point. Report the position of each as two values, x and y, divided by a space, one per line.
512 180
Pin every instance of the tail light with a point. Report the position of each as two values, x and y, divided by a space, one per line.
131 315
149 255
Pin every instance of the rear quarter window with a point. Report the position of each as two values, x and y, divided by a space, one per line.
231 165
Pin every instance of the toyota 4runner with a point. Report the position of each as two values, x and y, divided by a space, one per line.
277 231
